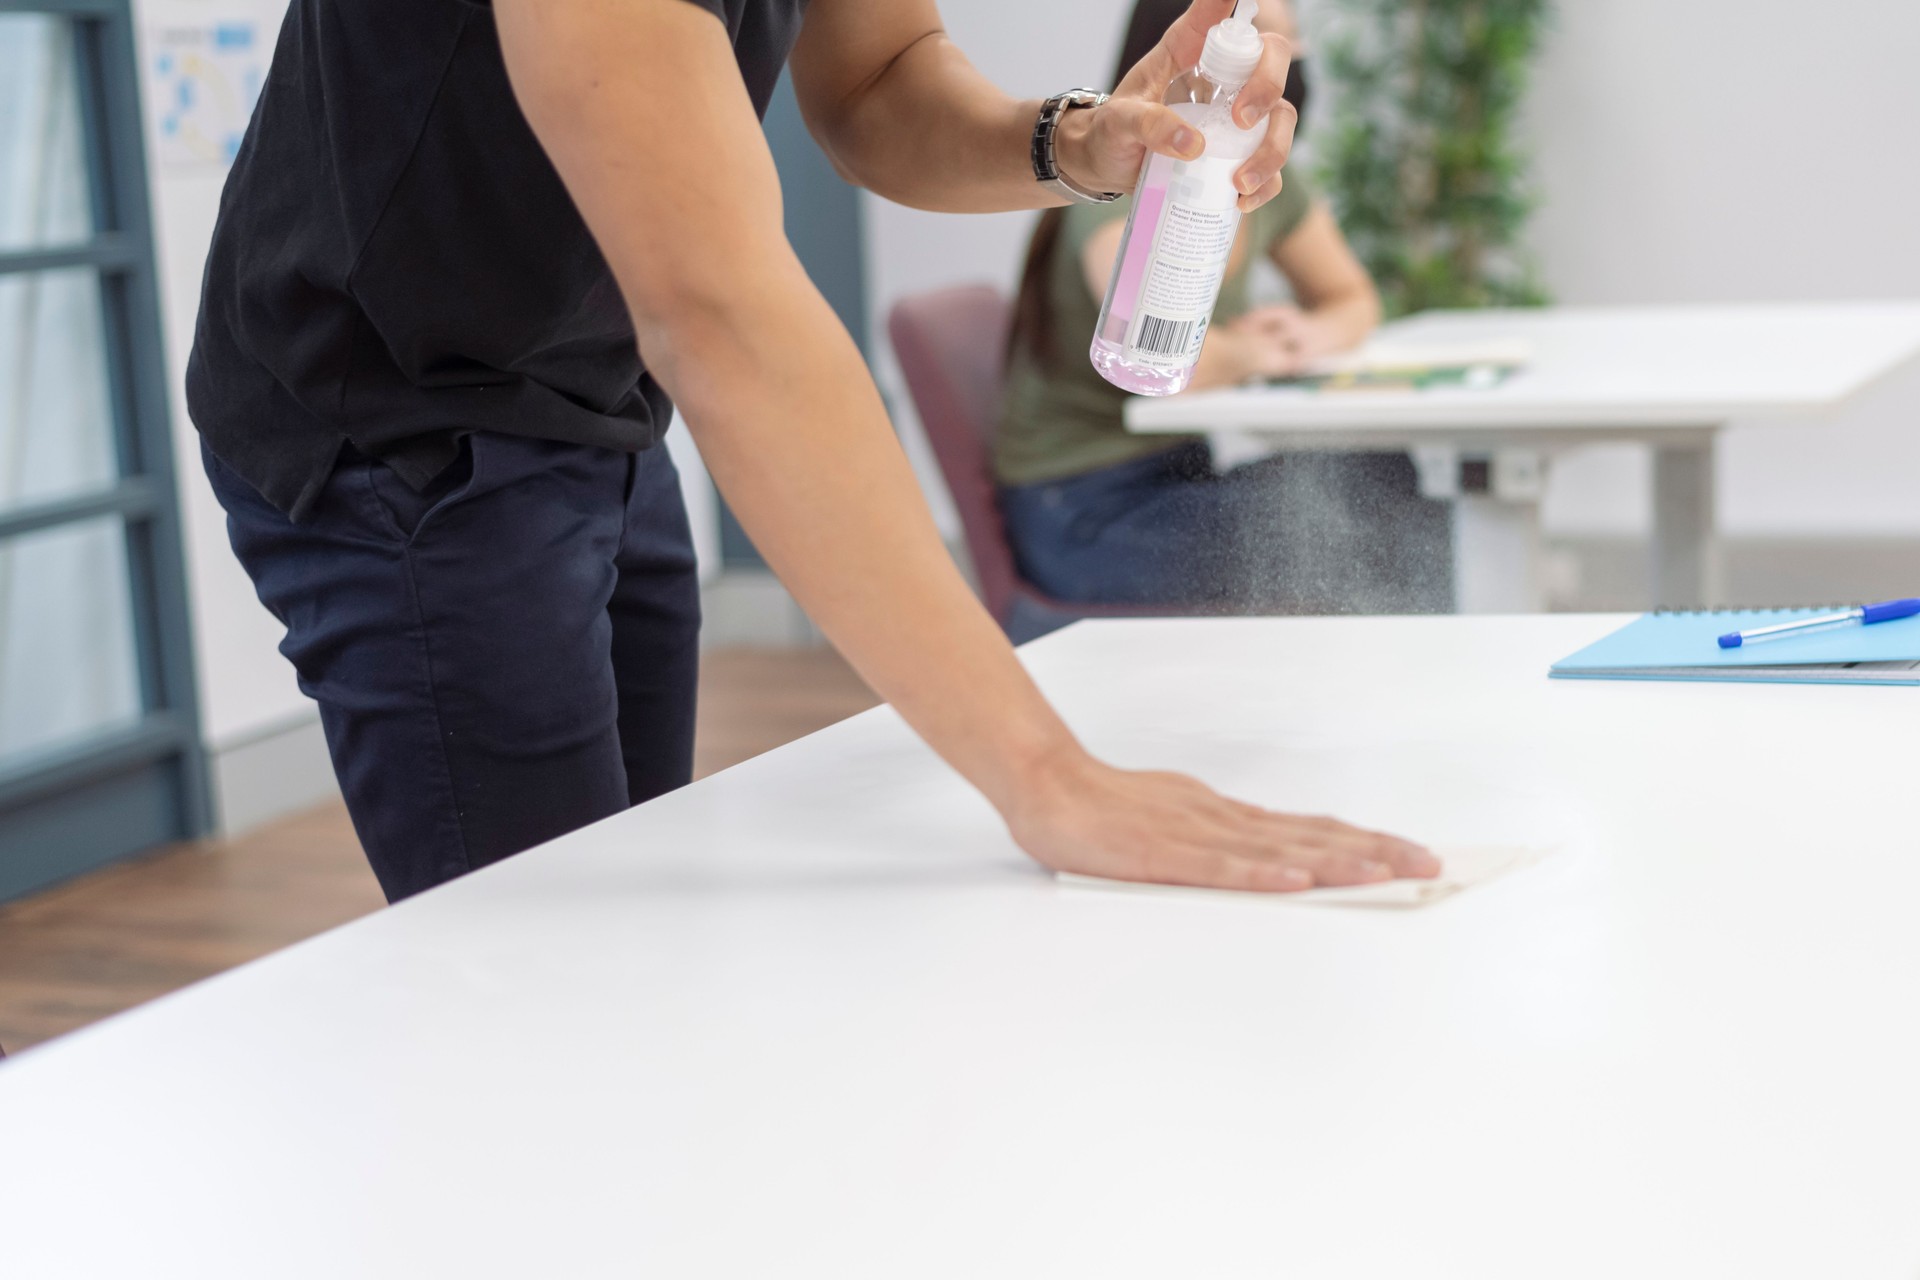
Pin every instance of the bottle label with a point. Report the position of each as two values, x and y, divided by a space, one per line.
1182 278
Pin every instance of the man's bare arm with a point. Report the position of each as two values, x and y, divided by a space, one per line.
900 110
641 108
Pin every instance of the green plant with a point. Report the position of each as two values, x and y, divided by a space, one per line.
1422 167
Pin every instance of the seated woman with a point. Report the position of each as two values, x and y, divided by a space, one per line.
1097 515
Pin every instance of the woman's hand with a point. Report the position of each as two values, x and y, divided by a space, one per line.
1283 340
1165 828
1104 148
1269 342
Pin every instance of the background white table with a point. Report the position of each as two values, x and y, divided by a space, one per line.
817 1017
1670 377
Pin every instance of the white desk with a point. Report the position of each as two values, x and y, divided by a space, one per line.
1670 377
816 1017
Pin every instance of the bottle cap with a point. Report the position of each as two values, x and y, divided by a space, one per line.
1233 48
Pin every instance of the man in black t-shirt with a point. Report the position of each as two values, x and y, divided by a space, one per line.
466 252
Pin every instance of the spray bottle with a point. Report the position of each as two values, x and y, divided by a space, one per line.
1180 233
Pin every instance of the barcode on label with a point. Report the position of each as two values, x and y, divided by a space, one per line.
1162 337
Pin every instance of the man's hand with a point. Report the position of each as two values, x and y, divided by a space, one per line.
1103 149
1087 817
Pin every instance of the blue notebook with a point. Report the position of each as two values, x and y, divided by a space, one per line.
1685 646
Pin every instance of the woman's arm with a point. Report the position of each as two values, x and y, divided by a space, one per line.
1338 305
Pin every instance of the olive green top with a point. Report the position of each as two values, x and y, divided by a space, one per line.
1065 421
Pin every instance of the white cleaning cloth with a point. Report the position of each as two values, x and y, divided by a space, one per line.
1460 868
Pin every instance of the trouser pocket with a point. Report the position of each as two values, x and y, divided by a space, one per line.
405 510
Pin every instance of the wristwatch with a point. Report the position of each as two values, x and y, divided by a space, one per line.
1045 170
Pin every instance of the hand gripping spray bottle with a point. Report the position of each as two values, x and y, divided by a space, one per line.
1180 233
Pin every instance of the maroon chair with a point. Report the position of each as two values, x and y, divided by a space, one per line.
951 345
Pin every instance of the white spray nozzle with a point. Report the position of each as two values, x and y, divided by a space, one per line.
1233 47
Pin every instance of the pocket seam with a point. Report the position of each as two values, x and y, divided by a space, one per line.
381 509
447 499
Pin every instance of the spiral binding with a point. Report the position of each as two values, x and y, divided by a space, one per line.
1702 611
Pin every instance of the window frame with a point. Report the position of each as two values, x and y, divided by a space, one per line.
124 790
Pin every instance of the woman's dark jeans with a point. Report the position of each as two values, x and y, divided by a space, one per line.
1295 533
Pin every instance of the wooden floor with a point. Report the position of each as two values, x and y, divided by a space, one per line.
119 937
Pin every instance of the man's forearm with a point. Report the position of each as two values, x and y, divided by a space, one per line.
774 390
882 136
879 136
799 441
902 112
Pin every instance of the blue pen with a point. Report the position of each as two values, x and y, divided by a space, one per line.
1865 615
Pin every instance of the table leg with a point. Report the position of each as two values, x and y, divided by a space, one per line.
1686 561
1497 554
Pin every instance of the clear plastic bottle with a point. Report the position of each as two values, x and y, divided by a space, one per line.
1180 233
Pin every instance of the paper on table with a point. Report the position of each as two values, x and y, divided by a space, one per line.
1399 356
1460 868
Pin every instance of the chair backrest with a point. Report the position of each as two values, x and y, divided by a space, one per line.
950 345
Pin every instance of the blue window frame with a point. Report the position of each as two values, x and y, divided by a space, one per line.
100 752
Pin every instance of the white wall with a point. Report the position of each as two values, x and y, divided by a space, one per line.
1740 150
1711 150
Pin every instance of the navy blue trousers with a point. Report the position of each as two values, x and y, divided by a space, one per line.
499 660
1293 533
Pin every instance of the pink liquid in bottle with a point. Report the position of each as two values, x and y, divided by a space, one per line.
1109 351
1174 251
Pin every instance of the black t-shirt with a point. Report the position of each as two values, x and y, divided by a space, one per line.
396 261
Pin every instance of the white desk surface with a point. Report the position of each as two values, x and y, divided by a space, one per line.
818 1017
1597 373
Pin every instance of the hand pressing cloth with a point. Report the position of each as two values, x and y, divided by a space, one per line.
1460 868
